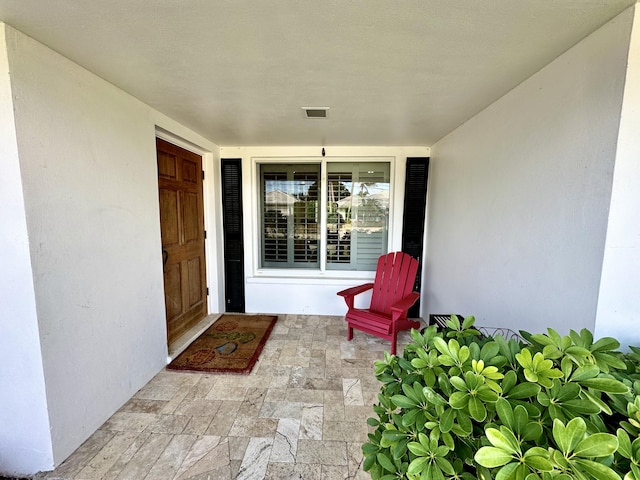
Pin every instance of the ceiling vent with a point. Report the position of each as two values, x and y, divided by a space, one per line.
316 112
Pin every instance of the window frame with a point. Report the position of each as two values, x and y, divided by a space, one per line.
290 263
320 271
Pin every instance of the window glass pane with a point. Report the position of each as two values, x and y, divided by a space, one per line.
289 215
357 214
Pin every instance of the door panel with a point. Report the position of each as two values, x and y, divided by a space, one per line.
169 217
166 165
182 227
191 217
173 293
195 288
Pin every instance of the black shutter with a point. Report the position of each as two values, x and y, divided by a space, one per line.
233 239
415 203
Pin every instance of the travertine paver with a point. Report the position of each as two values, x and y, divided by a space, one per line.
301 413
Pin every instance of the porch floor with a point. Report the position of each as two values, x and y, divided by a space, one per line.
301 414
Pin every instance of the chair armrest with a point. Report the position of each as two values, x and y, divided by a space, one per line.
350 293
399 309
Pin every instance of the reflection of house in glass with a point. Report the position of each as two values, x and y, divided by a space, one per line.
361 222
365 212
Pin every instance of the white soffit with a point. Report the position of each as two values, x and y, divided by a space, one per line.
394 73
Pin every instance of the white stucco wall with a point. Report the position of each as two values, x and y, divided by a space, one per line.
519 194
619 301
88 162
309 292
25 442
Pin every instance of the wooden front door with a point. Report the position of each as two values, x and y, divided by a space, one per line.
182 228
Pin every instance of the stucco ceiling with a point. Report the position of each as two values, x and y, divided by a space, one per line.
238 72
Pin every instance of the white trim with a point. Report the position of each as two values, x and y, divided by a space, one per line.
321 272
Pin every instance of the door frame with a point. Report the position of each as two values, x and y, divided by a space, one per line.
212 219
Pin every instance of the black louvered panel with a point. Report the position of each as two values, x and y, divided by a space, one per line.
415 203
231 199
233 241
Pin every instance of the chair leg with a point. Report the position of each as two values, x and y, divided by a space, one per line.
394 340
349 333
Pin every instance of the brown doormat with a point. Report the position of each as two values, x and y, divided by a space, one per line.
231 345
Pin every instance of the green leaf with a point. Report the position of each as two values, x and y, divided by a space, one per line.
597 470
458 383
448 440
446 420
581 407
445 465
584 372
524 358
605 344
468 322
400 449
566 366
459 400
523 390
418 464
532 431
403 402
521 418
410 393
418 449
489 351
410 416
464 422
509 381
372 422
597 445
536 451
566 392
492 457
477 409
369 449
505 412
385 462
441 345
393 435
512 471
503 439
432 472
487 395
608 385
369 461
463 354
597 401
433 397
624 444
538 459
568 437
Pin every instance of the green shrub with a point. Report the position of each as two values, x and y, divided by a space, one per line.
459 405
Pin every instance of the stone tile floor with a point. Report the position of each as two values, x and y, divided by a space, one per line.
300 414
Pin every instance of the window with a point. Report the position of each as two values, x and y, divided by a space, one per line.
356 215
290 216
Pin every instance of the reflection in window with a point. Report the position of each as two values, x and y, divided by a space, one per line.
289 215
357 214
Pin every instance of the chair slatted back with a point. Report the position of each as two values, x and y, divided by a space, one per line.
394 279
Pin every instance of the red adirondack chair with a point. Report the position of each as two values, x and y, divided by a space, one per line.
391 298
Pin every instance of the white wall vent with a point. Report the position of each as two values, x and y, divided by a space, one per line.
316 112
